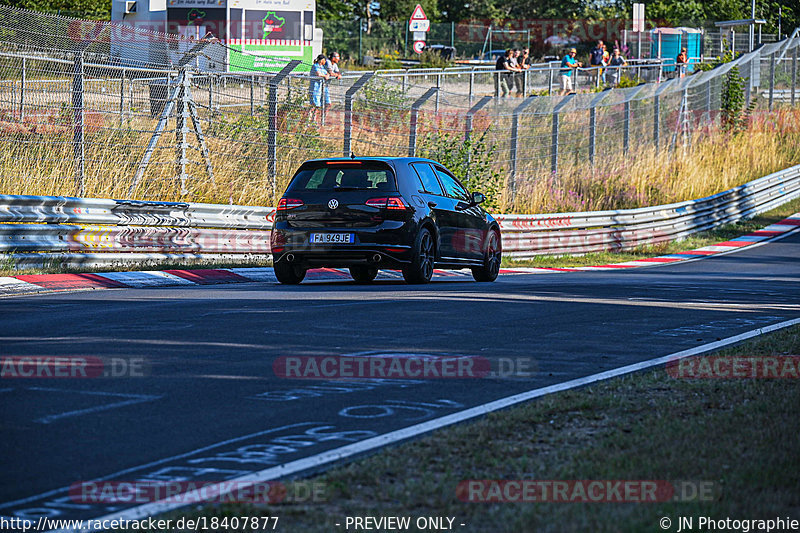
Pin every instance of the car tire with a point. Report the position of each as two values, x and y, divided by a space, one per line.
421 268
363 274
288 273
493 255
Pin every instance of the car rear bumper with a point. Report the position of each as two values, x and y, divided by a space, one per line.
344 256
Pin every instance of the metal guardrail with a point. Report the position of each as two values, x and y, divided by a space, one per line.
526 236
47 230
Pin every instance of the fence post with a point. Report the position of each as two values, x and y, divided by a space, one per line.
210 99
593 123
550 83
656 120
524 83
468 126
181 118
272 132
78 78
471 113
794 73
438 86
512 184
252 96
122 97
708 102
472 82
626 133
771 79
412 127
22 90
554 142
348 111
749 87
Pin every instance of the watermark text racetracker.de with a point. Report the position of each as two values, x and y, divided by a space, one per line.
72 367
201 523
403 366
585 491
735 367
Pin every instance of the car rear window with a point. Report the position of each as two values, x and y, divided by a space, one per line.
349 176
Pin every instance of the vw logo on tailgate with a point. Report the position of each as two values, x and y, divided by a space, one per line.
333 203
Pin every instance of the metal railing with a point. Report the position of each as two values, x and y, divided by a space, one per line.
48 231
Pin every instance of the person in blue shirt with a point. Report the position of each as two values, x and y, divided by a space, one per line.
568 65
317 86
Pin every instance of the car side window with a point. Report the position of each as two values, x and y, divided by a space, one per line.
427 179
452 188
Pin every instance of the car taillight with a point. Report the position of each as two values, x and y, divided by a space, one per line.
392 202
289 203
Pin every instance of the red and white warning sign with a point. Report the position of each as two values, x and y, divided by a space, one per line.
419 46
419 20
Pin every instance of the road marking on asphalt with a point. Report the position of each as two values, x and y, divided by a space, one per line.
373 443
129 399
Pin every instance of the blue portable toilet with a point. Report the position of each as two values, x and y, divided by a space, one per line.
667 44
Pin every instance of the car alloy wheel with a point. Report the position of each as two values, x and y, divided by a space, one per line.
421 268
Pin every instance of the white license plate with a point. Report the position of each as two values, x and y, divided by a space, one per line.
332 238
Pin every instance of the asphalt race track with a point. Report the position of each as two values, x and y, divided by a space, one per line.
210 406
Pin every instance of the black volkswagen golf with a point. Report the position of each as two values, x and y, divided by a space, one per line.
382 213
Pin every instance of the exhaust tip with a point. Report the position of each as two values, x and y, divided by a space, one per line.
290 258
376 258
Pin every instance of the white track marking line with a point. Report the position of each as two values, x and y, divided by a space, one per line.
351 450
130 399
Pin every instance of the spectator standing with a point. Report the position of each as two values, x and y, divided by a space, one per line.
333 66
513 62
616 63
681 61
524 63
596 58
605 62
568 66
504 68
316 89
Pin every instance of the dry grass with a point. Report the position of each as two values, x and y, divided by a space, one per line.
40 162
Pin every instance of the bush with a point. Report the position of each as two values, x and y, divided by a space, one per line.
469 160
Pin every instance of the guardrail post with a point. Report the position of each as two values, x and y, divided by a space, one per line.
468 126
554 142
794 73
22 90
272 132
348 110
771 79
412 128
512 184
78 79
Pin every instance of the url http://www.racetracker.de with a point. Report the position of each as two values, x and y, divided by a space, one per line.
201 523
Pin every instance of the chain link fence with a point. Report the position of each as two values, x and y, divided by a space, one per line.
97 109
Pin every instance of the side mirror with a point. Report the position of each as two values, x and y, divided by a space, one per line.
478 198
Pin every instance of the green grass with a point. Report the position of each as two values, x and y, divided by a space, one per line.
706 238
742 436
